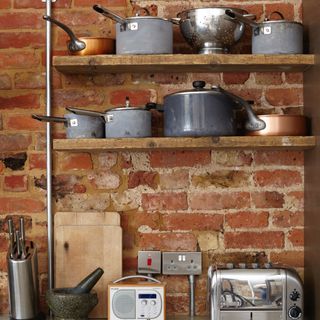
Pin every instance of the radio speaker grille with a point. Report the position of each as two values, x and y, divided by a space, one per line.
124 304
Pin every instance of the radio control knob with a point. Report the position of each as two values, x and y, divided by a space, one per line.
153 302
144 302
294 295
295 312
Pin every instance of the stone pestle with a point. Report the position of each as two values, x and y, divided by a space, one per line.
85 285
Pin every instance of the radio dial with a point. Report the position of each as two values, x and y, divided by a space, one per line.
144 302
153 302
295 312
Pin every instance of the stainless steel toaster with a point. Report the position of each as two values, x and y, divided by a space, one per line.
254 293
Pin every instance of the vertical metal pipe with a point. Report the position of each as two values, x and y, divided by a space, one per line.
49 148
192 295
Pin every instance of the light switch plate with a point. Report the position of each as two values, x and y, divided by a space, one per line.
149 262
182 263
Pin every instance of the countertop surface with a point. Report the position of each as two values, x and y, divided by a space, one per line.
177 317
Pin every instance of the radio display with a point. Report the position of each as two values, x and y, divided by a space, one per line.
147 296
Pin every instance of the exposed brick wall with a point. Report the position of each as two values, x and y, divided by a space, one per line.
236 206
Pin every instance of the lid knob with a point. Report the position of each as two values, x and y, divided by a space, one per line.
127 102
199 84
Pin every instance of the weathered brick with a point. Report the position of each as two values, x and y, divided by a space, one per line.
15 183
14 142
249 94
295 199
22 40
164 201
75 161
284 96
287 9
137 97
235 78
270 78
14 161
15 219
26 4
219 201
167 241
233 158
247 219
289 258
264 239
296 237
22 122
37 161
97 80
143 178
18 60
294 78
129 263
23 20
268 199
26 101
286 158
109 3
35 80
104 179
138 219
107 160
171 159
125 201
174 180
5 4
161 78
5 82
192 221
237 257
277 178
286 218
20 205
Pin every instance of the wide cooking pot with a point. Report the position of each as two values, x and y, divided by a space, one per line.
207 31
282 125
141 34
85 46
123 122
205 112
77 126
273 36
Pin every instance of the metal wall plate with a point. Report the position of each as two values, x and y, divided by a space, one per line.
149 262
181 263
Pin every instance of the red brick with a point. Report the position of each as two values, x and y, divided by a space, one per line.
108 3
232 158
168 241
288 218
296 199
268 199
74 18
37 161
219 201
161 78
138 219
22 40
268 78
23 20
164 201
192 221
26 4
287 9
284 96
77 98
249 94
296 237
177 304
171 159
27 101
277 178
35 80
16 219
104 179
177 179
23 122
256 9
247 219
235 78
176 284
5 82
18 60
143 178
129 263
289 258
137 97
14 142
2 167
20 205
294 78
286 158
5 4
263 240
76 161
15 183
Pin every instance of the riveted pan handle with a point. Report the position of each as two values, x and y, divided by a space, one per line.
109 14
242 18
49 118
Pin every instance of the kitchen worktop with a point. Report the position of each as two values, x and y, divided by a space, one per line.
176 317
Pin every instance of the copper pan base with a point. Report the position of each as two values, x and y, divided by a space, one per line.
282 125
95 45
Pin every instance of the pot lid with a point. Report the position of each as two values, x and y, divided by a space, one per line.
198 88
145 18
127 107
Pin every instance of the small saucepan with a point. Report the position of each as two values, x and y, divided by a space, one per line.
282 125
85 46
77 126
123 122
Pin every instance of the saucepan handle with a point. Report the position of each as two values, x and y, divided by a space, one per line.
49 118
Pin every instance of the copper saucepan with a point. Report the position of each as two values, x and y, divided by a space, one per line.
84 46
282 125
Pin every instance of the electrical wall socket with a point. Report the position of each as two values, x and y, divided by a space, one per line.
149 262
181 263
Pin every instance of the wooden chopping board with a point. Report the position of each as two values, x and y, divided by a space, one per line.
84 241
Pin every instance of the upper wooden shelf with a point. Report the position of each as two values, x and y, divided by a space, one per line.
188 143
183 63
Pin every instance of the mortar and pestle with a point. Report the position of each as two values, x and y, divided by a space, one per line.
76 302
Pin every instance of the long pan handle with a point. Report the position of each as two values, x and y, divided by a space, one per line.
49 118
85 112
242 18
109 14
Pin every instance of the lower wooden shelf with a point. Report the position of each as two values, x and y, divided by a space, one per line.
186 143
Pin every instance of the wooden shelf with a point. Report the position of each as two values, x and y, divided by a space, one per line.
181 143
183 63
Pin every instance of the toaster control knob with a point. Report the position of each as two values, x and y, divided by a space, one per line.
242 265
294 295
295 312
254 265
230 265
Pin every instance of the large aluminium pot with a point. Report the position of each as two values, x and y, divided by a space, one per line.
77 126
85 46
273 36
141 34
122 122
208 31
205 112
